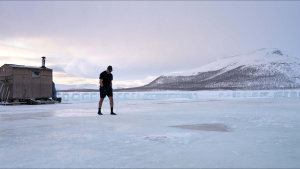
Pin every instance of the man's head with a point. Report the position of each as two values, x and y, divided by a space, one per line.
109 69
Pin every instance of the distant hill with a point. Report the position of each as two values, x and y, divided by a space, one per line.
265 69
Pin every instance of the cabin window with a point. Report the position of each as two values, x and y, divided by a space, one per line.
35 74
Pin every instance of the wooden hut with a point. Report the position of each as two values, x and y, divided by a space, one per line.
19 82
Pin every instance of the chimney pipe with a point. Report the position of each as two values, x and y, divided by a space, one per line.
43 62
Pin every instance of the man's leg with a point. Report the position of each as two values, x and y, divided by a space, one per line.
100 105
111 102
102 96
100 102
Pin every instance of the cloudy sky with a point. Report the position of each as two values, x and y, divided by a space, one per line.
140 39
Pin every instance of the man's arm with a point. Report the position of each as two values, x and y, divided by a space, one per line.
112 77
101 82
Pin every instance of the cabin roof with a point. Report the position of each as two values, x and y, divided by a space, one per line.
26 67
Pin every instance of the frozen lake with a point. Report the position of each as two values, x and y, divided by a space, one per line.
218 133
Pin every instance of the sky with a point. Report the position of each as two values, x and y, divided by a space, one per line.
140 39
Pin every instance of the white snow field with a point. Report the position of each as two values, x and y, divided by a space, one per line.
258 133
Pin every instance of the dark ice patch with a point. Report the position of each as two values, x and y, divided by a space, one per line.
205 127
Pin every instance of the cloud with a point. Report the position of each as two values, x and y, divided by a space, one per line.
68 79
17 54
139 39
72 68
58 68
82 60
134 83
64 78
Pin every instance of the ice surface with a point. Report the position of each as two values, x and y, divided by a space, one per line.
264 133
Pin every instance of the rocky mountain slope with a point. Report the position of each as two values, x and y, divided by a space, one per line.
265 69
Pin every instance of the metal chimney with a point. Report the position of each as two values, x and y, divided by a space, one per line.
43 62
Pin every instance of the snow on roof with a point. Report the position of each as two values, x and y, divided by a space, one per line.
28 67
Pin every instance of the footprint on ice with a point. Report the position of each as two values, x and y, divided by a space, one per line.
205 127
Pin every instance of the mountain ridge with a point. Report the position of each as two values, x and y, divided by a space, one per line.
264 69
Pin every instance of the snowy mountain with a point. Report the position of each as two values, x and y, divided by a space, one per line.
264 69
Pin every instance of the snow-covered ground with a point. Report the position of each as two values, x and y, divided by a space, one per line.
262 133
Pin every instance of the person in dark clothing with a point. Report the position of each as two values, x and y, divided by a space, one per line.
105 79
53 91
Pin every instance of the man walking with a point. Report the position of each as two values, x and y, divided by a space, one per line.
105 79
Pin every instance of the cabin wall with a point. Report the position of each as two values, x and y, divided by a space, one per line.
6 88
25 86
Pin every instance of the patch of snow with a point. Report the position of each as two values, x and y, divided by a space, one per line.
263 58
